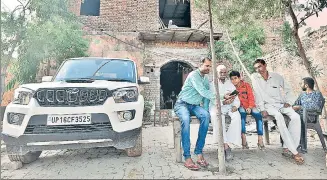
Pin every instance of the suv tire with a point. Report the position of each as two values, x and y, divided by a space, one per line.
27 158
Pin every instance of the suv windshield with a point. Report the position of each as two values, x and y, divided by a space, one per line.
97 69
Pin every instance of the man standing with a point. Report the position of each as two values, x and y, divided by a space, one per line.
230 105
311 100
269 88
195 91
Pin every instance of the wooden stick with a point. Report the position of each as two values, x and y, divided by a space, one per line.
221 152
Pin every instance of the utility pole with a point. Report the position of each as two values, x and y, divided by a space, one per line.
221 152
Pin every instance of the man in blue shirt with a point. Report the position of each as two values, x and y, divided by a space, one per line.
195 91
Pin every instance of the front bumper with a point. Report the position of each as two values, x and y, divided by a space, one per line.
35 114
77 140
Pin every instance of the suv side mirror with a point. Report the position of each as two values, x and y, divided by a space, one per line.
46 78
144 80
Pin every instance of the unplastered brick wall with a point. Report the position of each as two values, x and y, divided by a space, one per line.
122 15
272 29
116 45
199 15
135 15
294 71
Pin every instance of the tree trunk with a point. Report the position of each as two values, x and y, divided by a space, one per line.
221 152
301 50
2 81
48 67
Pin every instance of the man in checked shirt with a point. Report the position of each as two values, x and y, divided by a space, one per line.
270 100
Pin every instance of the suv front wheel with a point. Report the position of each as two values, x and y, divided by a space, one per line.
26 158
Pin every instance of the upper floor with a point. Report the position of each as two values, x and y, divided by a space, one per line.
139 15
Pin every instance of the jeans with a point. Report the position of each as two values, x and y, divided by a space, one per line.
257 116
184 111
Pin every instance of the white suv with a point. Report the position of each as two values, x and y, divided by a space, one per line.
90 102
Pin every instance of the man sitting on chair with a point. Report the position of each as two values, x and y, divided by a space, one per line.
309 99
270 100
230 105
194 91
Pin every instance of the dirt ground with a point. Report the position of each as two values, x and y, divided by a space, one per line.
158 161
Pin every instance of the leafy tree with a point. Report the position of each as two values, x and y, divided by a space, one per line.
246 13
48 32
247 41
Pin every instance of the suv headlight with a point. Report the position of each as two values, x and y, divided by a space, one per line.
123 95
22 96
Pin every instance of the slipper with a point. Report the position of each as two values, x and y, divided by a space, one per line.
202 163
192 167
245 146
298 159
287 154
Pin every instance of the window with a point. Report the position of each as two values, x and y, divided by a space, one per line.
174 13
90 7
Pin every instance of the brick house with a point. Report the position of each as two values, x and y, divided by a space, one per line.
165 38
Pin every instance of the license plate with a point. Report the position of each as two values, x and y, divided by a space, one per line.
69 119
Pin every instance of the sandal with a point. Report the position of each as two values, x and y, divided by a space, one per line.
228 154
287 153
261 146
192 167
246 146
202 163
298 159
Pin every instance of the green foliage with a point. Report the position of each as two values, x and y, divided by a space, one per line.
247 41
249 44
288 39
244 14
52 33
222 50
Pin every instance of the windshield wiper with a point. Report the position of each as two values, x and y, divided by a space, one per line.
100 68
79 80
116 79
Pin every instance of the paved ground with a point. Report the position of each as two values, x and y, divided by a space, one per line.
158 161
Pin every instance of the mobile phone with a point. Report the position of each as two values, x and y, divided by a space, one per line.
235 92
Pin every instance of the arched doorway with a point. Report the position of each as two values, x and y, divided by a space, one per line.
172 77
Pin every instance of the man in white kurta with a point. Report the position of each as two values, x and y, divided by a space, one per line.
273 97
228 107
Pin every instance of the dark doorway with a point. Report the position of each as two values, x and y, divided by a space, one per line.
90 8
172 77
178 12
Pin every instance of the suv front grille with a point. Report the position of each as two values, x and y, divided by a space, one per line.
71 96
82 128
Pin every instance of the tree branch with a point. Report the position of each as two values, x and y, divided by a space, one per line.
293 16
309 15
203 23
20 3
